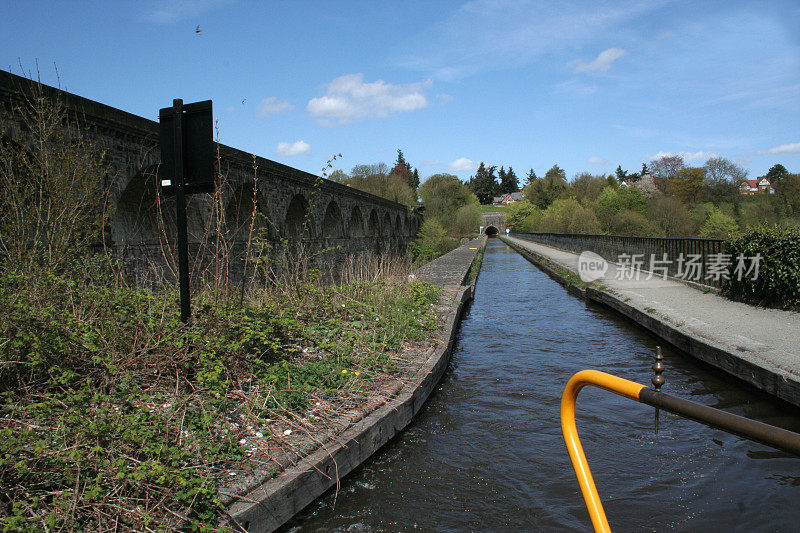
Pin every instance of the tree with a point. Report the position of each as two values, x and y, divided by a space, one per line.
557 175
687 183
776 173
414 182
787 193
622 175
584 186
531 177
645 171
543 192
718 224
722 179
665 169
403 169
508 181
484 184
339 176
671 216
443 195
376 180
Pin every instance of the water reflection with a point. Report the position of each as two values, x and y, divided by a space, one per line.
486 452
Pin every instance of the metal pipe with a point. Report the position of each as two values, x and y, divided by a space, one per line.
775 437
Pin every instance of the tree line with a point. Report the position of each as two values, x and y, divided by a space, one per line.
668 198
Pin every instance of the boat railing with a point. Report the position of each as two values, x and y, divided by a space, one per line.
775 437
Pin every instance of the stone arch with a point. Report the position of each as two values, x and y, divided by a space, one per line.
491 230
386 225
373 226
356 225
398 224
239 210
142 215
332 224
299 221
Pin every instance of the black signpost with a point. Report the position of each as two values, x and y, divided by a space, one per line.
187 167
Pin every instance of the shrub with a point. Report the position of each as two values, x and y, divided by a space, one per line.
633 223
718 224
466 222
568 216
431 242
778 280
671 216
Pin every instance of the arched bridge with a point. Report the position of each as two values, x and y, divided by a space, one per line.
293 206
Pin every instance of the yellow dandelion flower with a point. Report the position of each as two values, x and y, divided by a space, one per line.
358 373
344 371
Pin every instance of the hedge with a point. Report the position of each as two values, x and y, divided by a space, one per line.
778 280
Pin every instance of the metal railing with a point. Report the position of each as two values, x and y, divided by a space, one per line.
611 247
781 439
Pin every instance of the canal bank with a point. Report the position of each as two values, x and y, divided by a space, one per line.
486 453
267 504
756 345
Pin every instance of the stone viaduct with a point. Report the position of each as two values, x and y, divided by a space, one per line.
293 206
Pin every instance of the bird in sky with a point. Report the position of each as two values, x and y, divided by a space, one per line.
197 30
243 99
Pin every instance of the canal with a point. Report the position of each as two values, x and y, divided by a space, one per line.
486 452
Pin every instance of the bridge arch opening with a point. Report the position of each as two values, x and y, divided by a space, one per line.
240 211
332 225
491 230
356 225
299 221
144 216
387 225
373 227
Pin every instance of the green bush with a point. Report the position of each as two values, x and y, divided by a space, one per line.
778 281
718 224
568 216
431 242
633 223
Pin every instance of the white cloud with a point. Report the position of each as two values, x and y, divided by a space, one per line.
601 63
530 31
270 106
444 98
462 163
594 160
295 148
170 11
791 148
348 98
687 156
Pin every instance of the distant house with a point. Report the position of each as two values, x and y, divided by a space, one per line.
508 198
646 184
756 186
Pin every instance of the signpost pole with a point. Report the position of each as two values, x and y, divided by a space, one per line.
180 204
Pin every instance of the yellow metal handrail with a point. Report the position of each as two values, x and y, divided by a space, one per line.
623 387
781 439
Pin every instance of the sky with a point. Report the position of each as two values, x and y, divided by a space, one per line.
585 85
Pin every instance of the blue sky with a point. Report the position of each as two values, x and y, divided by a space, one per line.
586 85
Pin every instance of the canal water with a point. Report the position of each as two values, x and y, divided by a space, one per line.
486 451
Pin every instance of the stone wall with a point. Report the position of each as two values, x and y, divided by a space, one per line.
294 207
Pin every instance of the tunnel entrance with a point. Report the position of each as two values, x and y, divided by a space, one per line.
491 230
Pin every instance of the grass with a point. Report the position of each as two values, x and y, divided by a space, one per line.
115 415
494 208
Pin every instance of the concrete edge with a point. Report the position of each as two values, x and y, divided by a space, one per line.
743 366
547 266
277 500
